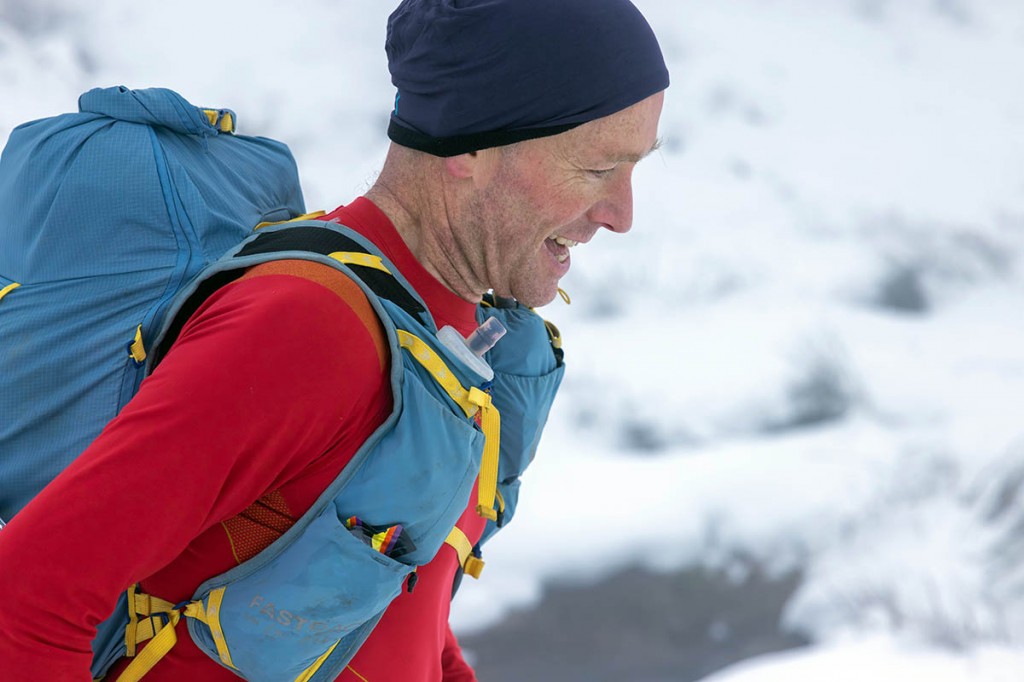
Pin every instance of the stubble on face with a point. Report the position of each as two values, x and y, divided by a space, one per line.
569 185
502 220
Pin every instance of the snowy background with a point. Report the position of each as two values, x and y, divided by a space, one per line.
794 418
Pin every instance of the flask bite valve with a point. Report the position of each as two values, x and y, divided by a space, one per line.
471 350
485 336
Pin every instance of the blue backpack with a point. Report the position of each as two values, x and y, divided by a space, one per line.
115 224
104 215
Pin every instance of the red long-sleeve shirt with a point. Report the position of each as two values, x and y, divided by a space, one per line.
272 386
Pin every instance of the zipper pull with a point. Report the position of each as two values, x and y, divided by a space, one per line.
410 583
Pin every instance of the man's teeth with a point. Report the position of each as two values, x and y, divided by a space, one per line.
567 243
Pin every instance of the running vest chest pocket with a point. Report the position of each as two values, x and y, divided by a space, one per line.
308 610
527 373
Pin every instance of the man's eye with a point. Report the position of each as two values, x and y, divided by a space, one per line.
600 172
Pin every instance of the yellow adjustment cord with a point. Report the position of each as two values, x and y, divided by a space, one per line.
487 486
553 334
355 258
565 296
304 216
136 349
221 119
308 673
8 289
471 565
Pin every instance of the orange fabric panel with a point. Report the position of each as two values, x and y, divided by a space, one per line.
257 527
269 517
337 282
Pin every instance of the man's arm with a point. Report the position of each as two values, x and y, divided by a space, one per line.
454 666
247 397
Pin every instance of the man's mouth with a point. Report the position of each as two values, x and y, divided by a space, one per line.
562 254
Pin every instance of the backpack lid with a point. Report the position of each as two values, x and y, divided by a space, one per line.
156 106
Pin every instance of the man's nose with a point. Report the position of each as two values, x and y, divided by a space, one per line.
615 209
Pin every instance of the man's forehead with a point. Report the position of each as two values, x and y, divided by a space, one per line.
627 136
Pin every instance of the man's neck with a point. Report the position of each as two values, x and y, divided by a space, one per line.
410 222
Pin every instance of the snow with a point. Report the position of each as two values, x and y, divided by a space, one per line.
807 352
879 661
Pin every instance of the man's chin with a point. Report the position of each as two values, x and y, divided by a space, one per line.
532 299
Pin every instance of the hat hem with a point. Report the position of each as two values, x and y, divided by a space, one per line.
462 144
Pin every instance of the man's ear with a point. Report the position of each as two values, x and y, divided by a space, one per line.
478 167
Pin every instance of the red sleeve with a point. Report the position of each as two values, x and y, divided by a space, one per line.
454 667
241 403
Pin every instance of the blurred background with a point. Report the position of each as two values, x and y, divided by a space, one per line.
789 446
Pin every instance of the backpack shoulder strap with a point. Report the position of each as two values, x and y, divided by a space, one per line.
313 240
348 248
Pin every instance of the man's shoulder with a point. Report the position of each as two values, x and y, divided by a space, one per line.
324 276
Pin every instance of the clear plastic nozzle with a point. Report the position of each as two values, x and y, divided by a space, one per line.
485 336
470 351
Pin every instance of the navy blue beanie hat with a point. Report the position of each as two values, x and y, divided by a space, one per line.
473 74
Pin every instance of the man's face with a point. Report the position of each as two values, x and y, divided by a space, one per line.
535 201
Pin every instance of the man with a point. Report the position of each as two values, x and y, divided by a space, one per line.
516 130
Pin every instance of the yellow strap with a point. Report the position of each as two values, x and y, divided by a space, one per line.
304 216
565 296
212 619
470 401
356 258
153 618
487 486
146 604
137 350
142 625
220 119
164 641
471 565
131 630
308 673
433 363
147 629
8 289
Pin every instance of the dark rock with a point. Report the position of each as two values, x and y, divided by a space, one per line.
638 626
